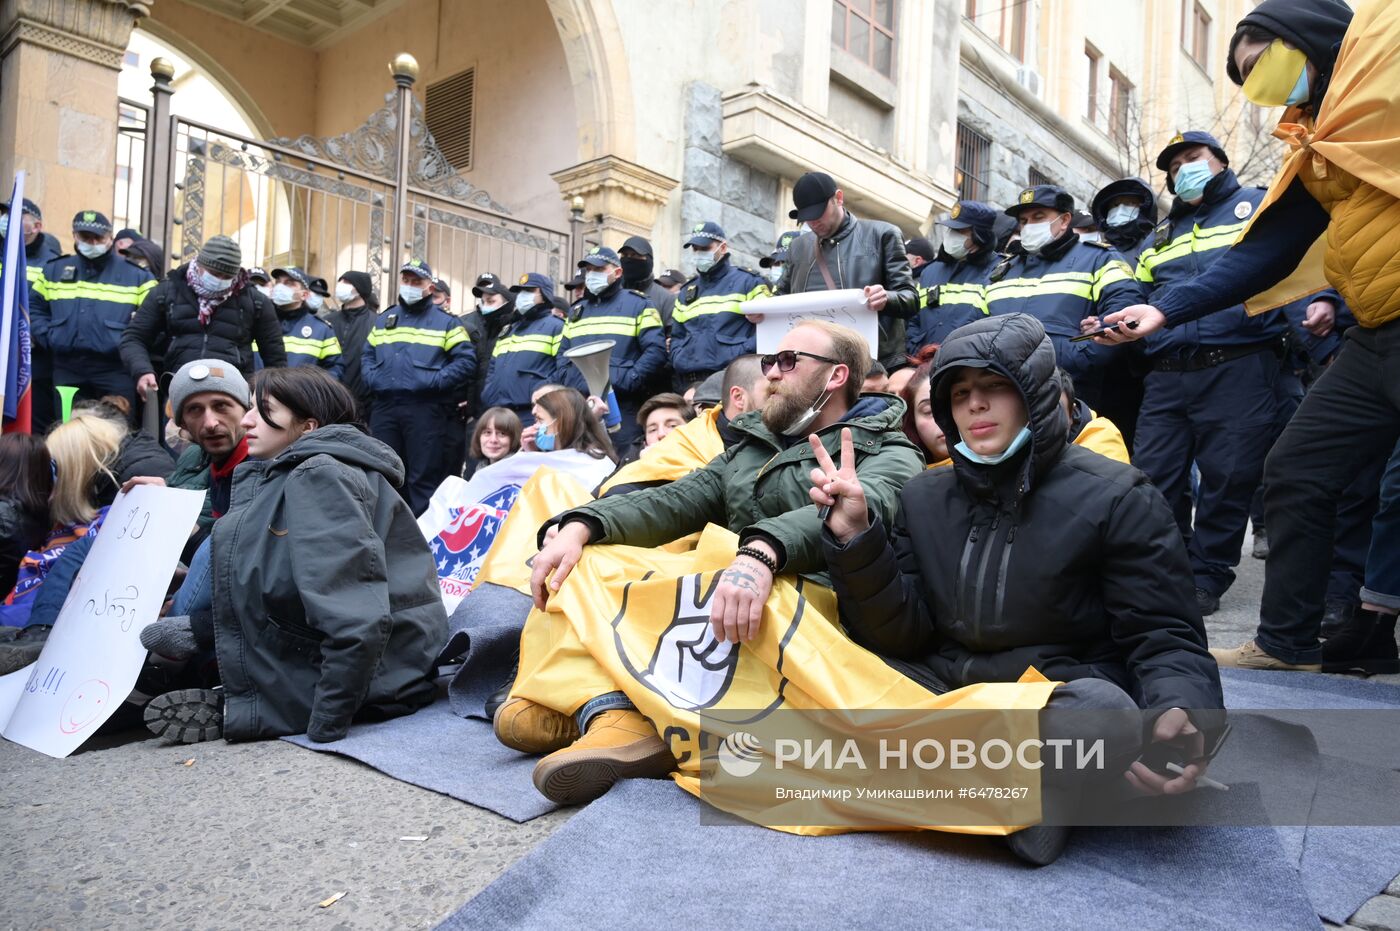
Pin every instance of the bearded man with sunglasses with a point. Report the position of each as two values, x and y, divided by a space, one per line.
758 488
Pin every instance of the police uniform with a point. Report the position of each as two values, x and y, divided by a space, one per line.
951 291
1212 396
1065 282
80 308
626 318
416 362
708 326
307 338
526 353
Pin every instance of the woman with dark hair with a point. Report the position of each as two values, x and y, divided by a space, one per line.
918 424
325 601
26 482
564 421
1333 211
496 437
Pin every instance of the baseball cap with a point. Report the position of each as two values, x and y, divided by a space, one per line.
810 194
637 244
536 280
1187 140
1042 195
294 273
780 250
259 274
969 214
419 268
703 234
27 206
598 257
488 283
921 247
90 221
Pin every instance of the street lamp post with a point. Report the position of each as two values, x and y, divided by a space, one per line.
404 68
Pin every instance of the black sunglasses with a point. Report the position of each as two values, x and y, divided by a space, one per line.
786 360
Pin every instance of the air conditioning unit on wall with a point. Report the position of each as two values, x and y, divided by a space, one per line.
1029 78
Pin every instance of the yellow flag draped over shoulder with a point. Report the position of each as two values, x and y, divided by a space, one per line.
546 494
1357 130
688 447
638 620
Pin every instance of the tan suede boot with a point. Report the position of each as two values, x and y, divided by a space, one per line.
618 745
532 728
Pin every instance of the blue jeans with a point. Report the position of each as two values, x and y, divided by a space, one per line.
1383 564
196 593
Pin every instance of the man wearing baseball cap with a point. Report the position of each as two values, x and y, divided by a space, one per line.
417 362
526 353
775 262
82 304
841 251
951 285
709 330
608 311
1062 282
306 338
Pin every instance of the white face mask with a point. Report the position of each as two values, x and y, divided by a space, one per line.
93 250
282 294
4 225
315 302
595 282
1122 215
344 292
410 294
704 261
1091 237
524 300
213 282
774 274
955 243
1036 236
264 290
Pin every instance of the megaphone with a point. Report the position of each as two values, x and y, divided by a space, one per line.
593 360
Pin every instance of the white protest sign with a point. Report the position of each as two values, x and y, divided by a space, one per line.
93 654
780 314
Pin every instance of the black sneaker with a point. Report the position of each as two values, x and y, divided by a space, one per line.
1039 845
1260 549
187 716
1207 602
502 694
1366 645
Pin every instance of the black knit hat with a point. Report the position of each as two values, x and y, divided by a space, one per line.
360 281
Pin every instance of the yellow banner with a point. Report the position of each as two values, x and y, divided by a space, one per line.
546 494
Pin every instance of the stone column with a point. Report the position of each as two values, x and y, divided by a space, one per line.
59 61
620 198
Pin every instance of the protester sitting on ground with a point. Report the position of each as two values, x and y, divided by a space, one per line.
662 413
1087 428
876 380
919 423
26 482
1028 552
83 449
310 636
139 453
496 438
695 444
563 420
758 489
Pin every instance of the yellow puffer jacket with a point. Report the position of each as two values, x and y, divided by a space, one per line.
1363 242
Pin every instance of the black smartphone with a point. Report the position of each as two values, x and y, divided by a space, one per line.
1085 337
1158 755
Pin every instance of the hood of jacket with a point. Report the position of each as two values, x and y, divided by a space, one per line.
347 443
1125 237
1315 26
1013 345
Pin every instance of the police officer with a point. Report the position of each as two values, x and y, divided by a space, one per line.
1126 212
416 363
951 286
1060 281
708 328
308 339
317 292
82 303
1212 395
525 355
608 311
260 280
39 249
771 265
639 274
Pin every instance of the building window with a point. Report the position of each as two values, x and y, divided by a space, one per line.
1120 104
1006 22
974 159
1093 59
865 28
449 110
1195 32
1037 177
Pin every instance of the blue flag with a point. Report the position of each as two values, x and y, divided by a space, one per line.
16 363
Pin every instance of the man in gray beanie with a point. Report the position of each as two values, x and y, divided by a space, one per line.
209 311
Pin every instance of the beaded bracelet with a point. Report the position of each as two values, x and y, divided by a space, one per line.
754 553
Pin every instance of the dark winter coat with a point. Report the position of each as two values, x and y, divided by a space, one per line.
1059 558
326 603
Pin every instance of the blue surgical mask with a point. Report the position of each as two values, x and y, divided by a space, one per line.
212 282
93 250
410 294
1301 91
1123 214
704 261
524 300
1192 178
544 440
595 282
315 302
4 225
283 295
1021 440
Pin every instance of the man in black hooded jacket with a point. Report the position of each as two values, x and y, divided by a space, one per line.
352 323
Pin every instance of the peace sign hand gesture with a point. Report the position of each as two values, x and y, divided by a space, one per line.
839 489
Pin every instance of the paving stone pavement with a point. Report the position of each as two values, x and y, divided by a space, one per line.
123 835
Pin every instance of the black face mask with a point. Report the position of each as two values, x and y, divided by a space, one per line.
637 269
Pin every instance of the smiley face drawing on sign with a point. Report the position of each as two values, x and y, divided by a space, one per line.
87 703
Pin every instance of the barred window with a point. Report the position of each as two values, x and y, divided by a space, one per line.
1036 177
449 111
974 160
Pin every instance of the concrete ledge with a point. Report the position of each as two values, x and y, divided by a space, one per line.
783 138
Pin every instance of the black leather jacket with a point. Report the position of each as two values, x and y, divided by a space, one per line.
860 253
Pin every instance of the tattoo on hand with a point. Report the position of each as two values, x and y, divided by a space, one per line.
741 580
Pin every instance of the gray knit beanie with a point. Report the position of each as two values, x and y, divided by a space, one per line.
221 256
203 375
